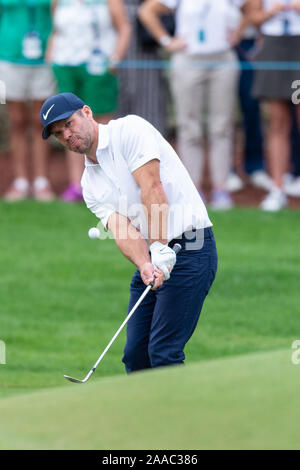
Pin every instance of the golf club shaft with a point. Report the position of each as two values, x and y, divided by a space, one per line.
123 324
176 248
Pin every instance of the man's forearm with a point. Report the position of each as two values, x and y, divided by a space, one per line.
129 240
257 15
135 250
156 203
149 14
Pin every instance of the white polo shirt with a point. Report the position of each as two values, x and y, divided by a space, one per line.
74 23
204 24
124 145
277 25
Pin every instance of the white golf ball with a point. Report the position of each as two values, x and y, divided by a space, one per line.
94 232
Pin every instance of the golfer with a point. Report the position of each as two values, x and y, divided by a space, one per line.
137 186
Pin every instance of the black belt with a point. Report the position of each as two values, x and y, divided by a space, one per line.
192 236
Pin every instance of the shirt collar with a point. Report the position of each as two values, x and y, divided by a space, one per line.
103 137
103 141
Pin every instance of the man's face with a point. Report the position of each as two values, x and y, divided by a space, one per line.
76 132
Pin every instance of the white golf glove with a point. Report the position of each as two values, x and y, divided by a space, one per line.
162 257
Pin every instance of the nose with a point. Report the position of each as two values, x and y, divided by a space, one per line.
67 134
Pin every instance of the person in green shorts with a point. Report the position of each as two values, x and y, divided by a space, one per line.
89 38
24 30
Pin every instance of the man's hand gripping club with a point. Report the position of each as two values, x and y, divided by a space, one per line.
163 259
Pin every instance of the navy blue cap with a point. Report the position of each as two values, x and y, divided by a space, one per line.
58 107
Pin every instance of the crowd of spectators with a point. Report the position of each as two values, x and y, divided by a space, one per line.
205 63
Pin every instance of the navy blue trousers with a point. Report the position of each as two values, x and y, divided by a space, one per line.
166 319
254 154
295 144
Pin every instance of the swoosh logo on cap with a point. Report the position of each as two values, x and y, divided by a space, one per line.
46 114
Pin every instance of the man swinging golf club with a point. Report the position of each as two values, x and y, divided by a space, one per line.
136 185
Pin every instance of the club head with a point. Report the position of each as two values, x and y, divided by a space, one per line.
77 381
71 379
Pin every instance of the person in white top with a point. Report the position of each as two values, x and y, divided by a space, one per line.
137 186
89 39
245 39
199 49
280 50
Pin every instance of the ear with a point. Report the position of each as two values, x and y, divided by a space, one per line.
87 111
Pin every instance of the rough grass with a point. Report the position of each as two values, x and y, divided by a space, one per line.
63 296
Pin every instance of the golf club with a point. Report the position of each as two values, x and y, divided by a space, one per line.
176 248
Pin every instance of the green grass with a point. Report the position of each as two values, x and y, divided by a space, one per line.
234 403
63 296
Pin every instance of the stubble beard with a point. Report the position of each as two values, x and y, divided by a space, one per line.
84 147
85 142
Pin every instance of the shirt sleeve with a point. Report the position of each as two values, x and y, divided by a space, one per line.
102 209
237 3
172 4
139 142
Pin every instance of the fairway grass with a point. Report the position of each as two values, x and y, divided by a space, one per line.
245 402
62 298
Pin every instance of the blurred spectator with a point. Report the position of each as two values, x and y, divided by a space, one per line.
246 38
24 30
88 41
280 26
202 35
144 90
292 178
